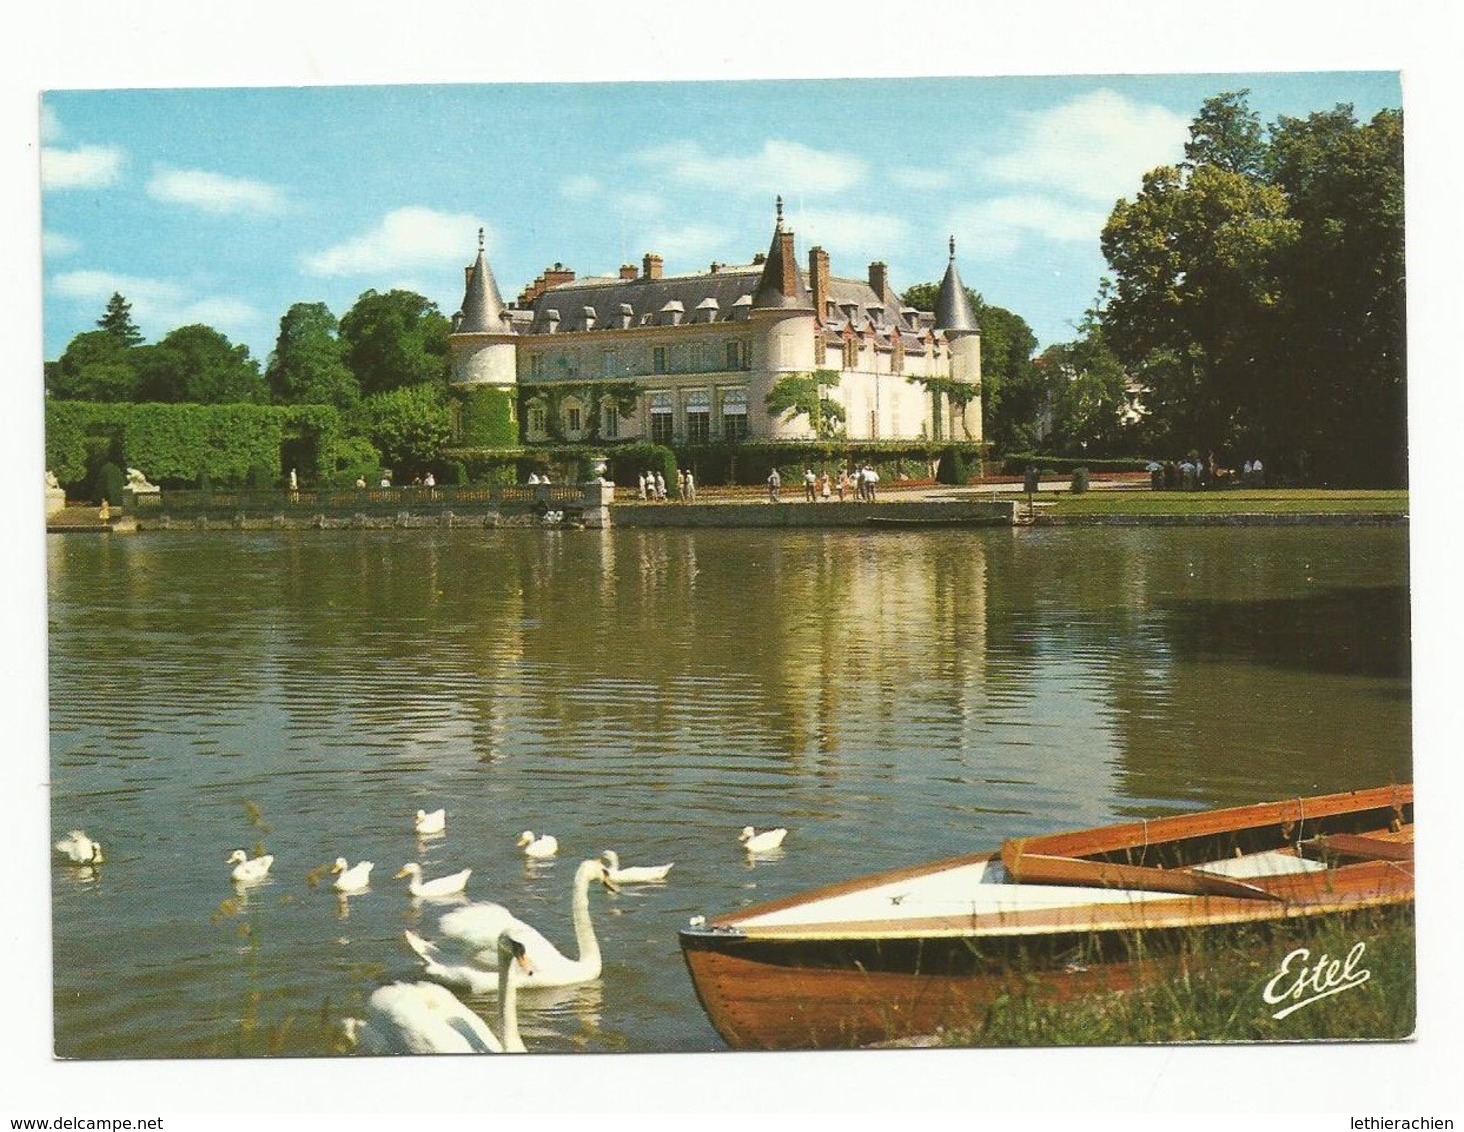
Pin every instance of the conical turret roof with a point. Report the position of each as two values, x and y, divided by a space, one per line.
952 304
781 285
482 311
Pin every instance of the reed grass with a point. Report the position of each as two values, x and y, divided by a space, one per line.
1212 990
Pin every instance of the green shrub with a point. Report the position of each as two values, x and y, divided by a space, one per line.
1080 481
953 469
109 483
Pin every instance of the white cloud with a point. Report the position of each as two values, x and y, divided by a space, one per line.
50 123
779 167
850 232
638 204
996 228
690 242
1096 146
58 243
921 180
405 239
214 192
159 306
85 167
580 186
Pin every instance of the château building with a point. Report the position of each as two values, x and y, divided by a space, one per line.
691 359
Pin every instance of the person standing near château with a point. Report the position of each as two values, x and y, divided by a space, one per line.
810 490
681 484
826 487
843 484
660 488
871 479
690 493
775 481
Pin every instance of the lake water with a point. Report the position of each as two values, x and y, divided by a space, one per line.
890 698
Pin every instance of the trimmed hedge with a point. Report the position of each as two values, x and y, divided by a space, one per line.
179 445
1016 464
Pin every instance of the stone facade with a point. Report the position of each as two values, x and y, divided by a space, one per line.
691 359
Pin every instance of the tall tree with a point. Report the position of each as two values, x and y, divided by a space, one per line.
394 340
307 366
97 366
1227 135
117 321
806 394
198 364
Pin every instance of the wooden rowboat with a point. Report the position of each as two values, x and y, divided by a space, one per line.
915 950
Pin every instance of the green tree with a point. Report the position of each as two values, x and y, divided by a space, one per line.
97 366
1227 135
117 321
806 395
1194 307
1091 409
198 364
1343 412
410 426
394 340
307 366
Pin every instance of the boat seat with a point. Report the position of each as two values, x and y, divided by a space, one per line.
1272 863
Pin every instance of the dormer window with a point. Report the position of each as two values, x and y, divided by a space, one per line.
551 320
589 317
672 313
707 309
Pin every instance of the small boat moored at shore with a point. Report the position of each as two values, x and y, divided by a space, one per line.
911 951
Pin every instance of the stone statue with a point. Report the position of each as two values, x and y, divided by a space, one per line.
136 479
51 480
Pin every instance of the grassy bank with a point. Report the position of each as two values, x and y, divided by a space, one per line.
1213 990
1280 501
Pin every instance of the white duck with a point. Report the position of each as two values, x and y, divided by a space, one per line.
79 849
438 886
426 823
467 953
249 870
351 878
764 842
540 847
632 874
428 1018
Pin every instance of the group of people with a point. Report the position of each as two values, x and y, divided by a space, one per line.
1195 474
820 488
652 486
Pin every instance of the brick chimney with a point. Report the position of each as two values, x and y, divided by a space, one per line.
789 283
879 280
818 281
651 266
627 271
557 276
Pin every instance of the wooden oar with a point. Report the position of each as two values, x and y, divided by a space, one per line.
1360 845
1039 868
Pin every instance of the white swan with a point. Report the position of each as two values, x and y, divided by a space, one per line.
632 874
438 886
79 849
351 878
248 870
428 1018
435 822
764 842
466 955
540 847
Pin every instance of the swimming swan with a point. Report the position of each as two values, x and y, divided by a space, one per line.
632 874
435 822
538 847
439 886
351 878
79 849
467 953
248 870
764 842
428 1018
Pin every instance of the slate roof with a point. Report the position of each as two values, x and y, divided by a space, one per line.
482 311
952 305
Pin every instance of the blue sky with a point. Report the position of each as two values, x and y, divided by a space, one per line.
225 206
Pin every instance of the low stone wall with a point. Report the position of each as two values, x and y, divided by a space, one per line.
997 513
